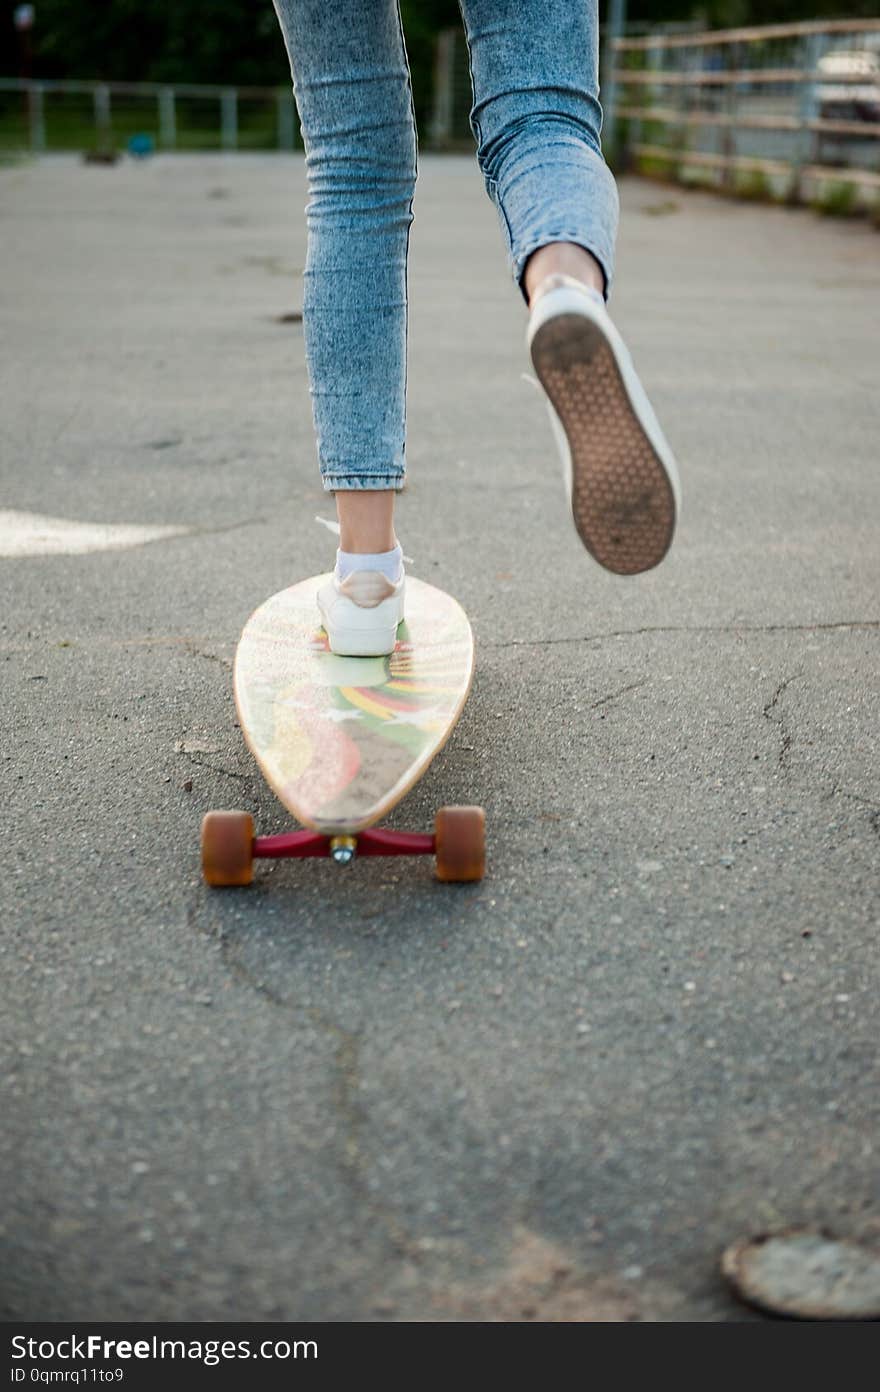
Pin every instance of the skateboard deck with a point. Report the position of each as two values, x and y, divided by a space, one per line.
340 740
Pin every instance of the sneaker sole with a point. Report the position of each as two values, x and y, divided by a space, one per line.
351 642
622 498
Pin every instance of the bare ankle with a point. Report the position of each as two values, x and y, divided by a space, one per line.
366 520
568 257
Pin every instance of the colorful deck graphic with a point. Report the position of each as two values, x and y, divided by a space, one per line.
341 739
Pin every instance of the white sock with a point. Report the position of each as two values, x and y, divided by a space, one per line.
576 283
592 292
390 563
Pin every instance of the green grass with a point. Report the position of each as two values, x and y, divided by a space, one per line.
651 168
754 185
838 199
70 124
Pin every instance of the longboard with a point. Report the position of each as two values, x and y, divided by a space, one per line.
340 740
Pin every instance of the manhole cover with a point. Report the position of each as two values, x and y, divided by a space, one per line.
805 1275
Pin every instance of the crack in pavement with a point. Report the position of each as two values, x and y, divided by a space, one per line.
229 773
873 814
100 641
613 695
211 656
857 797
784 732
694 628
216 530
188 640
346 1060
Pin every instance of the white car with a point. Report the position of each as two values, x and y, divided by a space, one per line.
851 100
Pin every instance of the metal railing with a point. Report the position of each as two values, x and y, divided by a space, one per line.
791 106
448 127
737 107
58 115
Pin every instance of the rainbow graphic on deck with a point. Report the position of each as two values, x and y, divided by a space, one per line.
341 739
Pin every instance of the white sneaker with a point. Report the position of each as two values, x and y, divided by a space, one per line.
361 613
620 471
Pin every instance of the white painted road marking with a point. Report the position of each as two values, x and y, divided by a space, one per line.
31 534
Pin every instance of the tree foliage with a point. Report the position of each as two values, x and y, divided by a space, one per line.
230 41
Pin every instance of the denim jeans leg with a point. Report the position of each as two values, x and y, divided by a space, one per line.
353 93
537 120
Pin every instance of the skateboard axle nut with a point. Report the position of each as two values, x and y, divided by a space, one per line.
343 849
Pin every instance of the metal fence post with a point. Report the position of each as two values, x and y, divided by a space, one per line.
229 118
101 104
167 118
285 109
652 93
683 108
444 77
728 105
37 117
811 49
615 30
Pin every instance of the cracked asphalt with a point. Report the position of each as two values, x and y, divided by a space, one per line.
360 1094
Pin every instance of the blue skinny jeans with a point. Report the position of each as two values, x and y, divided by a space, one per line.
536 121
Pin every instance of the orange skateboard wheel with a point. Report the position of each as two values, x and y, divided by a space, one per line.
460 843
227 848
